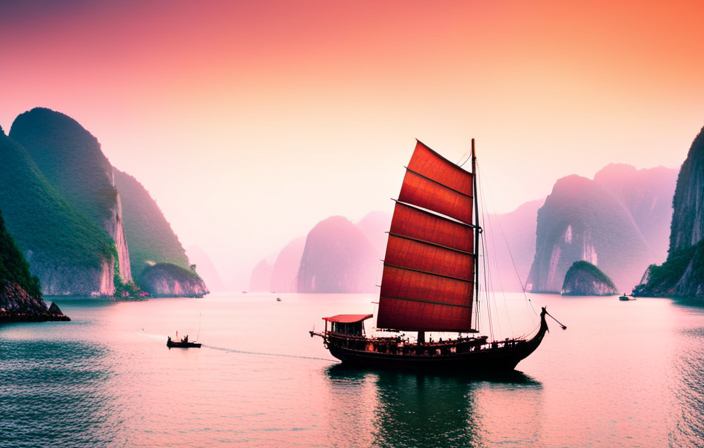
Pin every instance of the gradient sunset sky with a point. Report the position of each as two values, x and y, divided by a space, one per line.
250 121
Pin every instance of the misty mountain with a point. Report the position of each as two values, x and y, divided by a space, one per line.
337 258
205 268
260 280
603 221
511 241
284 276
375 226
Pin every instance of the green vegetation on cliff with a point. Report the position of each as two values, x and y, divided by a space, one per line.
585 279
47 229
13 266
71 160
150 237
167 279
682 274
662 280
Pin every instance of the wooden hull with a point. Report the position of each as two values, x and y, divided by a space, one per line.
501 356
483 360
183 344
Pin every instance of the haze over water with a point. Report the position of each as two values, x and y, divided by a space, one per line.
622 374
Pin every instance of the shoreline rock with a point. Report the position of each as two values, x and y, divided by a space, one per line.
16 305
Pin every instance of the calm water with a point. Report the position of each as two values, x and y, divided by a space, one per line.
623 374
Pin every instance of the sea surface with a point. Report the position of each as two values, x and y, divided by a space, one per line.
623 374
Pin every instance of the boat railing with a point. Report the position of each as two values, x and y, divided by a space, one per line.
403 346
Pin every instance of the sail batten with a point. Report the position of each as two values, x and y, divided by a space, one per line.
439 183
431 244
427 301
429 273
435 196
412 222
429 268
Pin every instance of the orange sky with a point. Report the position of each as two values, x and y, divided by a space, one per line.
250 121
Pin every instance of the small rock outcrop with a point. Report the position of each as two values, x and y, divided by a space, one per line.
16 305
169 280
20 292
585 279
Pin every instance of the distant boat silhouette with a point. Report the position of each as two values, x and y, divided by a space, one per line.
430 281
182 342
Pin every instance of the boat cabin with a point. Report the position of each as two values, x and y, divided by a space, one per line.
347 324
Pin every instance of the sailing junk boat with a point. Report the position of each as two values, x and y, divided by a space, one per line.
430 281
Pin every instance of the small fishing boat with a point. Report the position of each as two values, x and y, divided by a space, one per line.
182 342
625 297
430 282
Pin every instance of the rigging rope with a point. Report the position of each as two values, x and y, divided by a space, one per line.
485 185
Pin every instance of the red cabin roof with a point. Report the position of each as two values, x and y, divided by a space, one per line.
348 318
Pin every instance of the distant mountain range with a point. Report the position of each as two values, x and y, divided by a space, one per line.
617 221
511 238
63 204
205 268
337 256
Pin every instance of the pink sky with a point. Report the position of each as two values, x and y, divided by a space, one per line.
250 121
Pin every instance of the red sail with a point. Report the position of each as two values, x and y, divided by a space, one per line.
437 184
420 225
427 283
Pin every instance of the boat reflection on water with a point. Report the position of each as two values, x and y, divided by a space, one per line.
416 409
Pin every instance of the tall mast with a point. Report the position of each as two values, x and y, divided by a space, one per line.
475 194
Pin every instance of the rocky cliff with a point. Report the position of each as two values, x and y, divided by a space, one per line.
688 203
68 253
151 238
166 279
585 279
16 305
337 258
682 274
71 159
